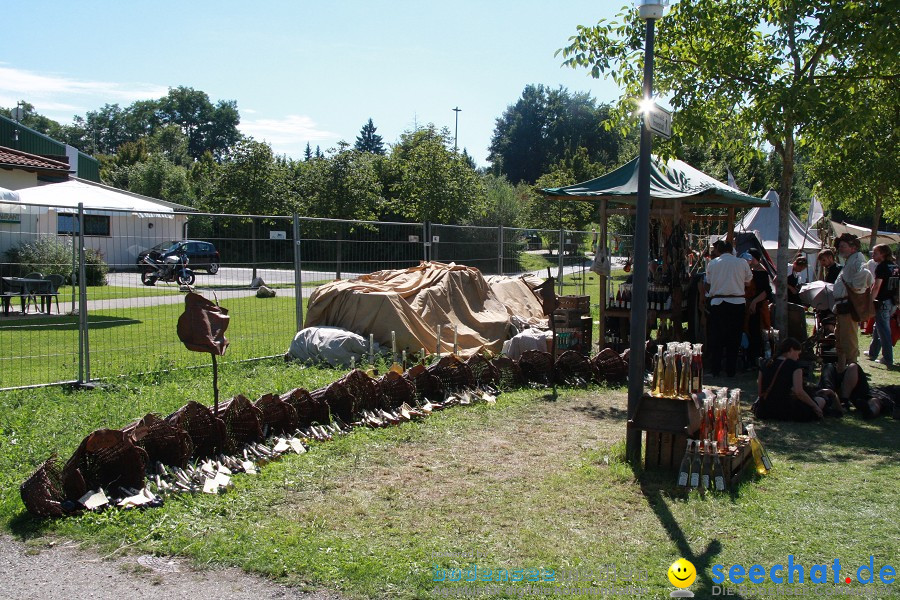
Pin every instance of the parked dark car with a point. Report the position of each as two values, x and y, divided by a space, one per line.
201 255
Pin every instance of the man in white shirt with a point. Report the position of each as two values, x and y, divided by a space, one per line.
726 278
857 277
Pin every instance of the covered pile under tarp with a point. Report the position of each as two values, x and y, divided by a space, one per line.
413 303
515 293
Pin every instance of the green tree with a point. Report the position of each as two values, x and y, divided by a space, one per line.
250 181
854 159
757 66
307 154
368 140
343 185
433 183
209 128
545 126
159 177
501 204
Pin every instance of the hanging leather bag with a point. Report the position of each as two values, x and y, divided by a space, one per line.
202 325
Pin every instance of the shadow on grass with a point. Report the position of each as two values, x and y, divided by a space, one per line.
67 323
26 526
655 488
834 440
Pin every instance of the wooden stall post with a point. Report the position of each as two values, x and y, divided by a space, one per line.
729 235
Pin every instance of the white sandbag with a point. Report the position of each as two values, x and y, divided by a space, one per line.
530 339
333 345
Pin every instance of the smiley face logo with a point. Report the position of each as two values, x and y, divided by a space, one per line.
682 573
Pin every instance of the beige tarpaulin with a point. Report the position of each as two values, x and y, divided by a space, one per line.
412 303
515 293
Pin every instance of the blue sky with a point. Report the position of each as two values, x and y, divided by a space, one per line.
300 71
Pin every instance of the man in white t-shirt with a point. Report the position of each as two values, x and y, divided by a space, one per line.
726 279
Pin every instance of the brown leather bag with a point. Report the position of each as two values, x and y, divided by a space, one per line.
862 306
202 325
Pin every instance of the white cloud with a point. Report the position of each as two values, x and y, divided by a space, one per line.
287 135
59 93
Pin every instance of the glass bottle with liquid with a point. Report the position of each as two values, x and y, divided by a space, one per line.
659 373
718 473
669 377
760 456
734 416
696 466
684 471
707 465
697 368
722 423
710 416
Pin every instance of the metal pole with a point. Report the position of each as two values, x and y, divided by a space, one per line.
500 249
456 130
641 257
253 248
559 277
298 273
425 241
84 375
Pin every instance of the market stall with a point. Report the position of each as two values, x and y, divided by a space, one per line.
684 203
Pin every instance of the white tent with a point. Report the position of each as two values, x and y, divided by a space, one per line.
119 224
96 199
764 221
8 195
865 234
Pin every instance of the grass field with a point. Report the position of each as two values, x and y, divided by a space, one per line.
527 483
133 340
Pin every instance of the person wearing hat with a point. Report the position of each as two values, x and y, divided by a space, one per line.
854 276
796 279
759 295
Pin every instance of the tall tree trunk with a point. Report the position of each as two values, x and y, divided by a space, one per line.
783 254
876 221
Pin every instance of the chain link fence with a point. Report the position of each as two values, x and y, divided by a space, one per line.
77 307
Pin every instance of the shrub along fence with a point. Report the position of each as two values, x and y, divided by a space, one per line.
102 321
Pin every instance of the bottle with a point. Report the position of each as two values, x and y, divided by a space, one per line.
767 344
707 465
710 416
718 473
721 423
619 298
669 381
703 419
659 372
686 372
734 416
760 456
697 369
684 471
696 466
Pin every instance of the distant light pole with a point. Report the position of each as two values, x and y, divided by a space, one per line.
456 131
650 11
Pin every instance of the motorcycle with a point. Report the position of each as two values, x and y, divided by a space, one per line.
171 269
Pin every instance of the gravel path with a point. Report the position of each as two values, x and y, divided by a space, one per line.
44 570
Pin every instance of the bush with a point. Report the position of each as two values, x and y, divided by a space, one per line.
49 256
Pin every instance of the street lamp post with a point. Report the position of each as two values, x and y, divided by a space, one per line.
650 11
456 130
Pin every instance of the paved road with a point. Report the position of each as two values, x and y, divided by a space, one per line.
44 570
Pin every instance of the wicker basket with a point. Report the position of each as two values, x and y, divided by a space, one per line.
537 366
42 493
453 373
364 389
509 373
571 366
426 386
395 390
610 367
339 400
207 432
309 410
277 415
162 441
482 370
243 422
106 458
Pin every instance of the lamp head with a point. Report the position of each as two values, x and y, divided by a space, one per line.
651 9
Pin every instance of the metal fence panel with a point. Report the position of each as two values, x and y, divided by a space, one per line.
35 349
130 327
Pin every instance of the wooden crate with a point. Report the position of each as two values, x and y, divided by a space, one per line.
734 465
582 303
565 317
664 450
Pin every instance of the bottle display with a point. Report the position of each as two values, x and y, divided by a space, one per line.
678 370
760 456
718 473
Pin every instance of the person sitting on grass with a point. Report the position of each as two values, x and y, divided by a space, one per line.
782 395
852 385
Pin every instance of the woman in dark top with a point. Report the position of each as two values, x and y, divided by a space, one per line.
759 294
781 392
